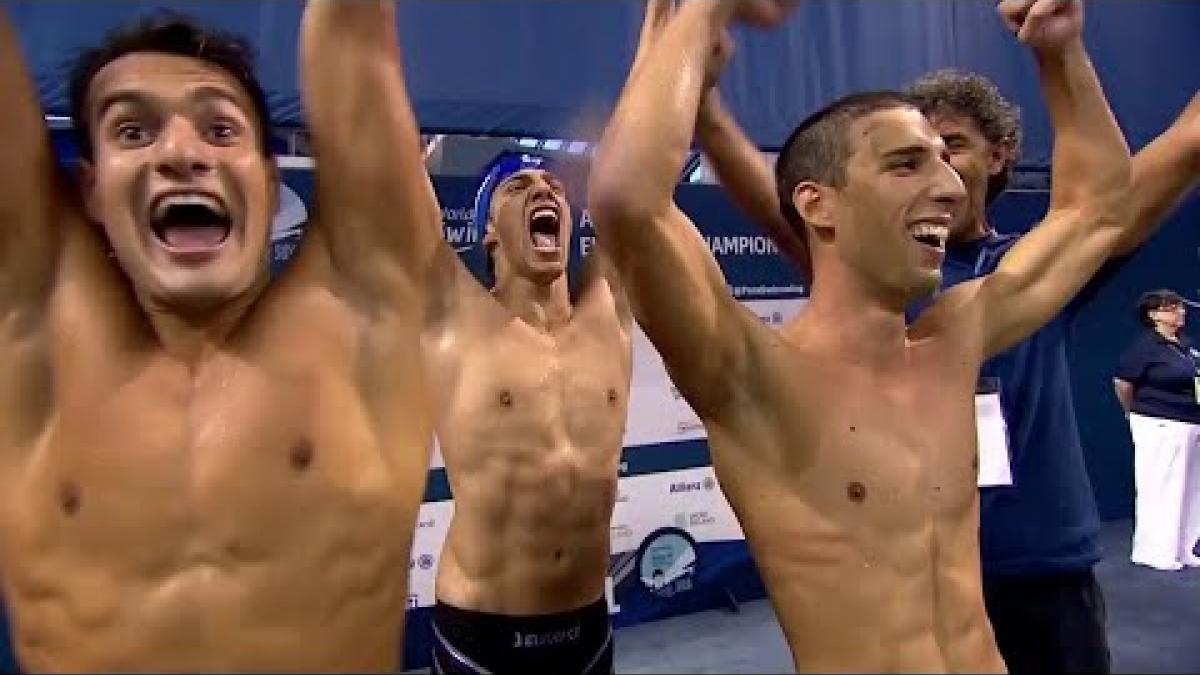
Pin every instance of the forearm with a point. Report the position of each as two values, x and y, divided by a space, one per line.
746 175
1164 172
647 140
354 82
1091 159
27 172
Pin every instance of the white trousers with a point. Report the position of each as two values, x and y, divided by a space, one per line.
1166 473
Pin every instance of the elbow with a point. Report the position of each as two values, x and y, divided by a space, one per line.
614 204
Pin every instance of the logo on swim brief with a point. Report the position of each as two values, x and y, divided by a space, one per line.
425 561
666 562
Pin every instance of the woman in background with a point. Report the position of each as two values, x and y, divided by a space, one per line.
1156 383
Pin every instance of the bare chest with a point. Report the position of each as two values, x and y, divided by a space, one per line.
151 464
520 390
872 448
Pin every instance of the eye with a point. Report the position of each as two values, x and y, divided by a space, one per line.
904 165
131 133
222 131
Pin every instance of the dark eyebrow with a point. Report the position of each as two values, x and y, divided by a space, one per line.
139 98
906 152
131 97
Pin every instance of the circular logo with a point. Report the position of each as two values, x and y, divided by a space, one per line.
425 561
667 562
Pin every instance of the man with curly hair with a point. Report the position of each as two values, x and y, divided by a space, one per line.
1039 530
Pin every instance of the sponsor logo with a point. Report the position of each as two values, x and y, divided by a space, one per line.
425 561
621 531
667 562
686 486
425 524
697 519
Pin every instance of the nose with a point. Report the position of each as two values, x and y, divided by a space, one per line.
948 187
182 153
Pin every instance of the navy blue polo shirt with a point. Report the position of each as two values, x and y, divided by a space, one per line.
1163 376
1046 522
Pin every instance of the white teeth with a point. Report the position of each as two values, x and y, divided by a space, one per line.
940 232
188 199
545 212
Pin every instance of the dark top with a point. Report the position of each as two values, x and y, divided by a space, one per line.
1163 375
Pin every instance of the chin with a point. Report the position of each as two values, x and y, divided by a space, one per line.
200 290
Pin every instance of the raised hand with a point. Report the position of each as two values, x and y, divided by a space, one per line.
1045 25
763 13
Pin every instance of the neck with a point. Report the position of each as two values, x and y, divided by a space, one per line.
977 228
192 333
844 316
546 307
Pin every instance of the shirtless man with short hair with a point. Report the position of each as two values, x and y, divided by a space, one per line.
532 394
201 472
845 442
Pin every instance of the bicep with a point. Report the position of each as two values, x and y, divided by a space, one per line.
1041 273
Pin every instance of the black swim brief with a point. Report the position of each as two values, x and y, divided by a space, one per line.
470 642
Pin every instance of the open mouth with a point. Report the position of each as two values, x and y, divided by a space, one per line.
931 235
544 229
190 222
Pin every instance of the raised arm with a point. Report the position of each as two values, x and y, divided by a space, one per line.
1164 171
1090 184
747 175
676 289
28 189
378 213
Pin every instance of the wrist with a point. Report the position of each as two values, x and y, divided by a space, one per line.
1072 50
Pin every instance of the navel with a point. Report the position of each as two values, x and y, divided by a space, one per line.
612 396
506 398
